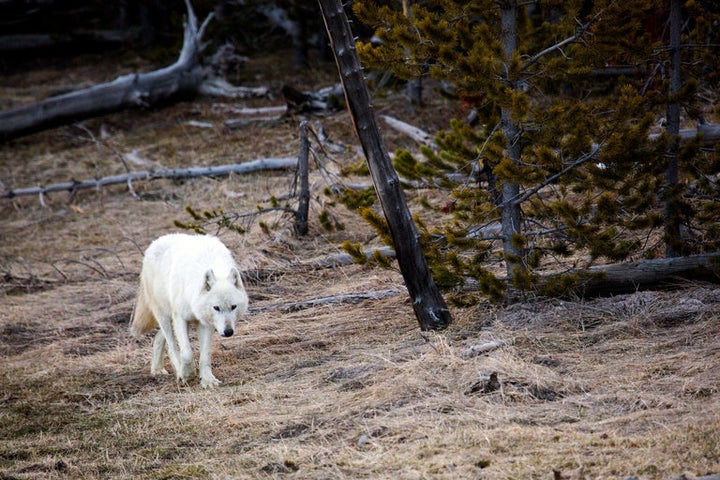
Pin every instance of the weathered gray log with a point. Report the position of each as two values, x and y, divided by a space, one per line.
710 133
127 91
476 350
331 300
704 477
184 78
329 261
417 134
429 306
174 173
328 98
646 274
343 259
255 115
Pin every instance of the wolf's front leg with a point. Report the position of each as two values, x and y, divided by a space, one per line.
207 379
156 367
187 365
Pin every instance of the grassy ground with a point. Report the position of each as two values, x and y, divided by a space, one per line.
609 388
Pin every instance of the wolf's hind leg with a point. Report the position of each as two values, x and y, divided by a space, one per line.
156 368
167 332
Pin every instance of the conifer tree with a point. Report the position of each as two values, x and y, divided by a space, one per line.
560 165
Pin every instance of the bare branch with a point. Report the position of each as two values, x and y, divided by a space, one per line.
176 173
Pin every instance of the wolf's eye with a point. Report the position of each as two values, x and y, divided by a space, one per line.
233 307
216 308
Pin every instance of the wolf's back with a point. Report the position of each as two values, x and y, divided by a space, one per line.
143 320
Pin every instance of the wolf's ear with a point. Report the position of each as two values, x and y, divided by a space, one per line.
209 280
234 278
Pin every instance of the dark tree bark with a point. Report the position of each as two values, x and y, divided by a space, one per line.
511 215
301 216
429 306
672 215
414 85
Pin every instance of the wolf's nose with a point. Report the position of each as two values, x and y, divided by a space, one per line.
228 332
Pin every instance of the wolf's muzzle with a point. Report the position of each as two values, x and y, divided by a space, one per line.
228 332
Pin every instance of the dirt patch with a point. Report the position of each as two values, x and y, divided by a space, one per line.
619 386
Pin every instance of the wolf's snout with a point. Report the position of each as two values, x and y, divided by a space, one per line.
228 332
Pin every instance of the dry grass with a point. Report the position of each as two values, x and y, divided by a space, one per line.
618 387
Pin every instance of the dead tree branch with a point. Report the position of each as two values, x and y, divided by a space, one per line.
175 173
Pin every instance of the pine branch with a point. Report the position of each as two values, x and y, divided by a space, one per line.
558 46
552 178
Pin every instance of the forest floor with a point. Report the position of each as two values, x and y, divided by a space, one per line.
606 388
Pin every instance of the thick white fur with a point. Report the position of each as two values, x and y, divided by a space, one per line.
187 279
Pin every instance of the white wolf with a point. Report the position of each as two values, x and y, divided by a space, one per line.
187 279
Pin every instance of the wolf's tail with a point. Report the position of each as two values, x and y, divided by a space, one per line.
143 320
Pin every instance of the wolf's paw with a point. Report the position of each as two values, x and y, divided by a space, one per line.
209 382
186 371
158 371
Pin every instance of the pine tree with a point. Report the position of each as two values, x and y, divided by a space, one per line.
560 165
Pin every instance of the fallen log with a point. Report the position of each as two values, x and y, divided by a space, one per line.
704 477
620 278
344 259
184 78
630 277
325 99
352 298
415 133
329 261
255 115
174 173
710 133
476 350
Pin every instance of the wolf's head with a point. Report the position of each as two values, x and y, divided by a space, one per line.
223 301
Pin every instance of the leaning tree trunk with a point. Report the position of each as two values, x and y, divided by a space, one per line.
429 306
